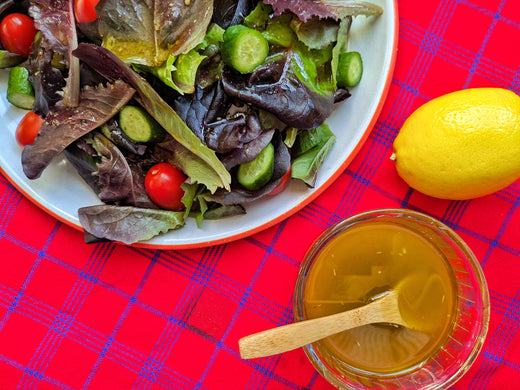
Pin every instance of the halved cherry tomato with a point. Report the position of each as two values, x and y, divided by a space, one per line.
163 185
17 33
85 10
283 183
28 128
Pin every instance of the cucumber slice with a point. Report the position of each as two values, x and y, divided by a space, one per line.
256 173
140 126
19 89
8 60
350 69
244 48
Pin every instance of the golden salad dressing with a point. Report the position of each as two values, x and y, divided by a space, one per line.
369 259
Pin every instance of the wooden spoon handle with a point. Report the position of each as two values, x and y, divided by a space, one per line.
292 336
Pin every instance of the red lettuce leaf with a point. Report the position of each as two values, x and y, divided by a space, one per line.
335 9
64 125
282 164
55 20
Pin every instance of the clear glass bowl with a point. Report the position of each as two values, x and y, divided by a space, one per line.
451 360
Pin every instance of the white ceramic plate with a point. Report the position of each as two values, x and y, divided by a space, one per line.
60 191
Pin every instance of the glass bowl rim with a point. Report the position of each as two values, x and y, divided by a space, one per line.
469 258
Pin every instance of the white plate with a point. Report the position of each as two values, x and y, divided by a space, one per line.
60 191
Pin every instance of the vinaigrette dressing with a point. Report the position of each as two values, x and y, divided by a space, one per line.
370 259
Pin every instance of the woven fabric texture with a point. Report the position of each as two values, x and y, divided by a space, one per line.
109 316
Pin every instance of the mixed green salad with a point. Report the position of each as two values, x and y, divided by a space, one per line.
175 109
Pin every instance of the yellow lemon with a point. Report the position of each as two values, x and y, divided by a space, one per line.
461 145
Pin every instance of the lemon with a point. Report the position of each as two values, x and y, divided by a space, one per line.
461 145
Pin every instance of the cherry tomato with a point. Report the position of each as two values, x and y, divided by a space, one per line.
283 183
17 33
28 128
85 10
163 185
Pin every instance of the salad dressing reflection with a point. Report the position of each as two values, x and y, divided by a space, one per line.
370 259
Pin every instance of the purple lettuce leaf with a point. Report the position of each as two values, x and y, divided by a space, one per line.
230 133
248 151
282 164
128 224
276 88
55 20
64 125
147 32
203 106
230 12
116 178
121 179
47 81
323 9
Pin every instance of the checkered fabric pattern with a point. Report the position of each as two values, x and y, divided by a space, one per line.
108 316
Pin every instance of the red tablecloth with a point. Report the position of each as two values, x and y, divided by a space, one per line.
108 316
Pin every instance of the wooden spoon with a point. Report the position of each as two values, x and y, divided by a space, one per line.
292 336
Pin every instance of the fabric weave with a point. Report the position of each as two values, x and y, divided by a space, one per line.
108 316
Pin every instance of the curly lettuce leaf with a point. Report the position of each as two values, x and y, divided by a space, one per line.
229 12
146 32
128 224
295 87
64 125
210 171
311 148
323 9
120 179
282 164
55 20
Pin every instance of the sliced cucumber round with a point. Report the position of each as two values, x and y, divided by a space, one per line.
244 48
140 126
20 91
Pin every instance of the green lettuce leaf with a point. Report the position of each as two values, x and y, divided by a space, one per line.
128 224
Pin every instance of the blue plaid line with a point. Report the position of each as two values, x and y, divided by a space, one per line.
500 232
356 187
47 348
510 194
162 349
45 378
317 214
169 336
454 213
120 321
498 342
231 289
484 43
242 304
29 276
270 363
383 133
493 13
8 203
264 371
222 285
83 335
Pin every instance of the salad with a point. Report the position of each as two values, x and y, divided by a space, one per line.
179 109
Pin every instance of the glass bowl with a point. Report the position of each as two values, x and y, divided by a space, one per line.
467 325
